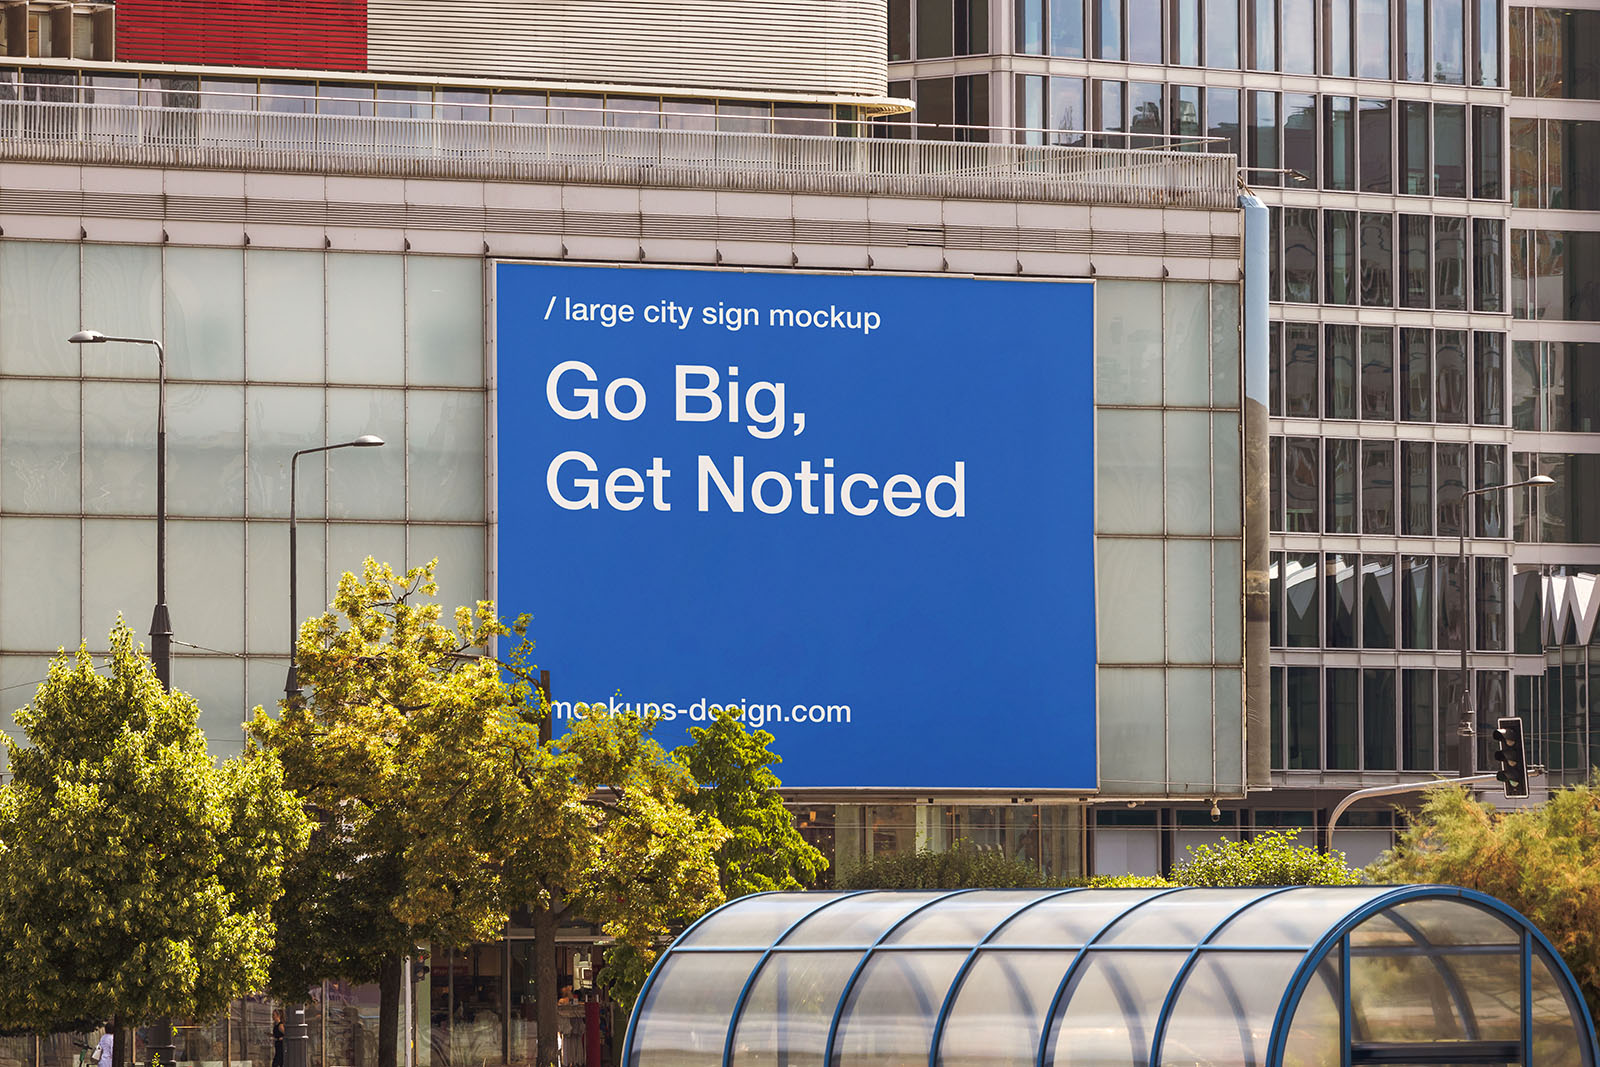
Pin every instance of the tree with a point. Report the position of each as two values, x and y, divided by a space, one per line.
733 766
438 808
962 866
1270 858
136 875
1542 860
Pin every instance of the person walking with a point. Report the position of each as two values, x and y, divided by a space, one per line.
102 1051
277 1037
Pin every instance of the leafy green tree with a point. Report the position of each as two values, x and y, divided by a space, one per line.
1271 858
733 766
136 875
438 808
1542 860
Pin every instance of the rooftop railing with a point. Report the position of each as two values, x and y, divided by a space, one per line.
429 147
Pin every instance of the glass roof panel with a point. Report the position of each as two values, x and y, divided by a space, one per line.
1070 919
1108 1015
756 921
1000 1010
786 1017
1442 921
963 920
1181 918
1225 1011
1297 917
684 1020
889 1019
1314 1033
860 920
1555 1018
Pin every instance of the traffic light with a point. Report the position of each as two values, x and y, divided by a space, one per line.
1512 756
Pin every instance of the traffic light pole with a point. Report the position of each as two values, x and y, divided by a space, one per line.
1390 790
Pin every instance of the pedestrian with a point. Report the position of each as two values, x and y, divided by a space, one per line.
102 1052
277 1037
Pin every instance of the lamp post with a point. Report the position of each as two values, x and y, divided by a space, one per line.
160 620
161 1043
291 685
1466 730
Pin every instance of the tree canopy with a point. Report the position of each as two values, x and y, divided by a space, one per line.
136 875
1542 860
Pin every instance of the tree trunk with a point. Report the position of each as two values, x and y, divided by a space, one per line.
119 1043
544 985
389 978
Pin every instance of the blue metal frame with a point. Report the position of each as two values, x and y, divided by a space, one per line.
1334 938
1171 1000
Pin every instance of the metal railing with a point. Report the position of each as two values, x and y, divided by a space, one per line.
366 145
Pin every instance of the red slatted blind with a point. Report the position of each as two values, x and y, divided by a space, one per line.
309 34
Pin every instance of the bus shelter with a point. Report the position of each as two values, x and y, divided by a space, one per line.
1303 976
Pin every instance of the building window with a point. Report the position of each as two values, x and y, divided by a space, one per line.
1377 259
1339 265
1372 39
1339 374
1488 378
1300 255
1222 34
1450 375
1416 375
1300 364
1416 491
1302 485
1450 263
1377 372
1414 136
1340 474
1377 488
1488 160
1375 119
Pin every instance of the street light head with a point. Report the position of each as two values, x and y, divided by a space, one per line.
368 440
87 337
1541 479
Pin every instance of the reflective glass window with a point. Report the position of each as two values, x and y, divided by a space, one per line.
1489 604
1301 484
1449 150
1524 138
1300 134
1519 42
1377 259
1343 718
1415 177
1337 27
1450 368
1416 375
1222 119
1416 599
1066 28
1108 29
1184 114
1067 111
1377 372
1264 39
1414 38
1303 718
785 1020
1300 255
1339 581
1144 31
1450 263
1145 114
1340 473
934 29
1377 602
1339 377
1186 33
1264 137
1299 36
999 1013
684 1019
1028 18
1488 265
1487 158
1372 39
1416 490
1449 41
1489 468
1525 396
1486 36
1275 489
1300 368
1378 730
1574 171
1111 118
1222 34
1572 386
1377 487
1451 462
1417 720
1339 151
1451 591
1489 379
888 1020
1375 125
1302 601
1416 261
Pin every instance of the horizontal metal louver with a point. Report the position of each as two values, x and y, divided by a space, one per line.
823 47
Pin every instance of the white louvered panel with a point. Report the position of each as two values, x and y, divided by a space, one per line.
824 47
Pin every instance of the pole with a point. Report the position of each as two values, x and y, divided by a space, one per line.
1466 731
163 1048
291 685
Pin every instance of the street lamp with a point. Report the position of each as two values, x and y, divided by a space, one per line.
160 621
291 685
1466 730
161 1043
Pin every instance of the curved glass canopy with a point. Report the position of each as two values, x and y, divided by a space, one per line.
1260 977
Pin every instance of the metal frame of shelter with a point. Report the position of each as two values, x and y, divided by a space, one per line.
1258 977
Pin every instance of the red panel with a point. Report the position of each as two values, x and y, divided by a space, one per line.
309 34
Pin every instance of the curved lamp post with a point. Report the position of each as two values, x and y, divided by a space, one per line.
291 685
1467 730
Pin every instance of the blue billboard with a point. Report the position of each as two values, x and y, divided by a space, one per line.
859 508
